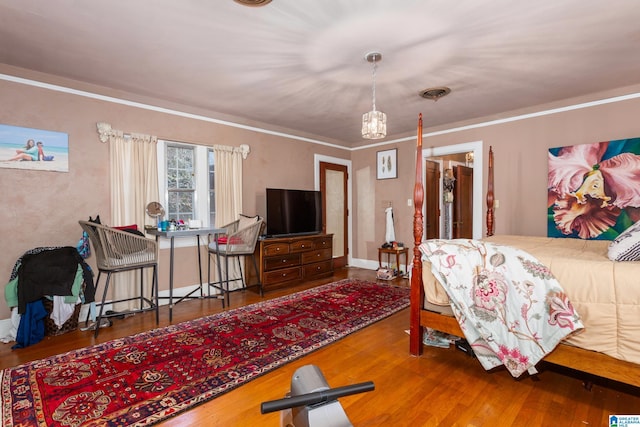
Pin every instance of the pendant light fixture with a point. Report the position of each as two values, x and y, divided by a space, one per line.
374 123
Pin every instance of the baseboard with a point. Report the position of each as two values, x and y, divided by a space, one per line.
373 265
5 327
5 324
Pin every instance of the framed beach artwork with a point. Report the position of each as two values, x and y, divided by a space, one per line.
593 190
387 164
34 149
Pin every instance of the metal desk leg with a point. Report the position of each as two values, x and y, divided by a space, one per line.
171 282
220 273
199 265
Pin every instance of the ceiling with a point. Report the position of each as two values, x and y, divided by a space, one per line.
298 66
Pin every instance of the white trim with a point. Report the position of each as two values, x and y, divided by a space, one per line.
85 94
476 147
160 109
5 327
508 119
317 158
368 264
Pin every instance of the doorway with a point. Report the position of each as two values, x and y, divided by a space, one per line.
462 202
474 195
333 181
432 199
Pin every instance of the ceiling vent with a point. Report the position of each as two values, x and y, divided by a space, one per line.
253 3
435 93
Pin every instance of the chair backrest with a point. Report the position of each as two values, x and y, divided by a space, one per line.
242 222
243 241
115 249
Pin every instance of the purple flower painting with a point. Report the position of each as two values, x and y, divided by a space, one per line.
594 189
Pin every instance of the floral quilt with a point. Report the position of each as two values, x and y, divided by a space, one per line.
510 307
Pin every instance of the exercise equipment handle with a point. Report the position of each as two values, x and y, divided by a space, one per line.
315 397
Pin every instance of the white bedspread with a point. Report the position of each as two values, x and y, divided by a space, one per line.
510 307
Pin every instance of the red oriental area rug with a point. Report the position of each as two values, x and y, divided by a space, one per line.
146 378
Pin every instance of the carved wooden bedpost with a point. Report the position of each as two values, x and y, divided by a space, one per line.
490 218
417 291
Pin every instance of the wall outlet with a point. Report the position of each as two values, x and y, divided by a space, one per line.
409 202
496 204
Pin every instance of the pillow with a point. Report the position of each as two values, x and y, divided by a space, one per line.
626 247
235 240
126 227
245 221
133 229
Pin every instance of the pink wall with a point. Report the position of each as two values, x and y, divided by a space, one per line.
520 149
42 208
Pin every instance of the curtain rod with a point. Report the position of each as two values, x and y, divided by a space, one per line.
105 131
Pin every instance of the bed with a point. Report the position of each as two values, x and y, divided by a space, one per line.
609 344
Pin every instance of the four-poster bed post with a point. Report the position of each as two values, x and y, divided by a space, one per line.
417 292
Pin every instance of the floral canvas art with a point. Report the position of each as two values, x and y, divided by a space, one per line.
593 189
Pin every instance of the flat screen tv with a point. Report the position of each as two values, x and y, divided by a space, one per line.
293 212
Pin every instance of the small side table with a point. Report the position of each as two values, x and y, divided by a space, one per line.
394 251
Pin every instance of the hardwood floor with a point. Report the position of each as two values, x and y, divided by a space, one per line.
441 387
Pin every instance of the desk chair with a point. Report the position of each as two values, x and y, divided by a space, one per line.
118 251
238 242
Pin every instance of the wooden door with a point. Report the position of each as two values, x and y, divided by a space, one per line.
333 185
463 203
432 200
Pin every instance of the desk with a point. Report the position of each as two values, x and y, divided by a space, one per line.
391 251
183 233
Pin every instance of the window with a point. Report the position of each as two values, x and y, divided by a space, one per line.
186 181
212 188
181 183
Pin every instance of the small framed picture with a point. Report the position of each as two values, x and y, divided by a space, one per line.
387 164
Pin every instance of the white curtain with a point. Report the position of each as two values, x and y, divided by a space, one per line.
228 194
134 183
228 176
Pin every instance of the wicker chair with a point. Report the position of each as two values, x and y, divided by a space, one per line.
118 251
236 243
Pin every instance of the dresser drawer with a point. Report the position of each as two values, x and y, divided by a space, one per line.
301 245
282 275
316 255
317 269
325 242
276 249
289 260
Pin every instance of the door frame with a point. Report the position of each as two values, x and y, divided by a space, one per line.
317 158
438 199
478 167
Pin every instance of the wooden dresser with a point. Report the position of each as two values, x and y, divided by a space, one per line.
285 261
